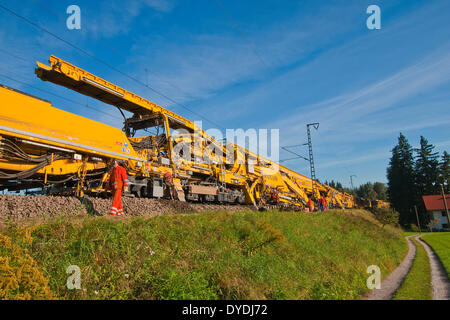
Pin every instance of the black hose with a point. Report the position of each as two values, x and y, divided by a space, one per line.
11 151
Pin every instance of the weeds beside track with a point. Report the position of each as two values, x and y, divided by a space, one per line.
214 255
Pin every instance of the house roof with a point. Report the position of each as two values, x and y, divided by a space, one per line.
436 202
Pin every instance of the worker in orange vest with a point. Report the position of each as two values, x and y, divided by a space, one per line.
117 182
310 205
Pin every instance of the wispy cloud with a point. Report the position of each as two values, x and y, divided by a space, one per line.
347 110
442 143
363 87
111 19
161 5
200 65
360 159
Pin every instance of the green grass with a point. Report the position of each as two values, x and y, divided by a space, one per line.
240 255
440 242
415 233
417 283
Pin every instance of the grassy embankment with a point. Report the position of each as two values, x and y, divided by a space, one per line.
241 255
440 242
415 233
417 283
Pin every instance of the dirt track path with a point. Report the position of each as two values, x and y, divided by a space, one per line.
392 282
439 281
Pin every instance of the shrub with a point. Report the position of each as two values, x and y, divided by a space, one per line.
20 278
386 216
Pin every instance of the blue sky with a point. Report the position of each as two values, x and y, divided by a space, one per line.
286 64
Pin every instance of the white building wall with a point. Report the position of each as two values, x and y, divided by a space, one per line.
437 215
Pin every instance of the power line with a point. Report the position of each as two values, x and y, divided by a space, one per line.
296 145
58 96
242 34
103 62
13 55
48 92
298 156
106 45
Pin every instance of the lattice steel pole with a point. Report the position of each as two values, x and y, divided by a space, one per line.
311 157
351 180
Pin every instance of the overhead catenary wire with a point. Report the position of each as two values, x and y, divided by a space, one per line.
48 92
244 37
106 64
13 55
39 3
294 153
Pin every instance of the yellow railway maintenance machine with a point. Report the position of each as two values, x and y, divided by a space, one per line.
45 147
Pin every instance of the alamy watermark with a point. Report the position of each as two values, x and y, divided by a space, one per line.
374 20
374 281
74 20
74 280
237 146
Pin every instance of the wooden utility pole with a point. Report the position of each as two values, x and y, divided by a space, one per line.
445 205
417 216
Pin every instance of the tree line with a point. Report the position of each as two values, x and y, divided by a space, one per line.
369 190
413 173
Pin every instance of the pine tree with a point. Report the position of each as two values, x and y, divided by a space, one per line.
426 173
400 175
444 172
332 184
381 190
426 169
366 191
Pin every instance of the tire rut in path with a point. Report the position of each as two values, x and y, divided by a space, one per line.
392 282
439 280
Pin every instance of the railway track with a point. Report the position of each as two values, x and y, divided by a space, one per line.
18 207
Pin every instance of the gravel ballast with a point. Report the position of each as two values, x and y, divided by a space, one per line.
17 207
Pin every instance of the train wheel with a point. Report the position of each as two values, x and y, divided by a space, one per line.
143 192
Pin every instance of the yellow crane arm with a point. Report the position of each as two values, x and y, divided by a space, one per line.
65 74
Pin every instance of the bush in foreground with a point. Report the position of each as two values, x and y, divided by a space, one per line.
386 216
20 278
